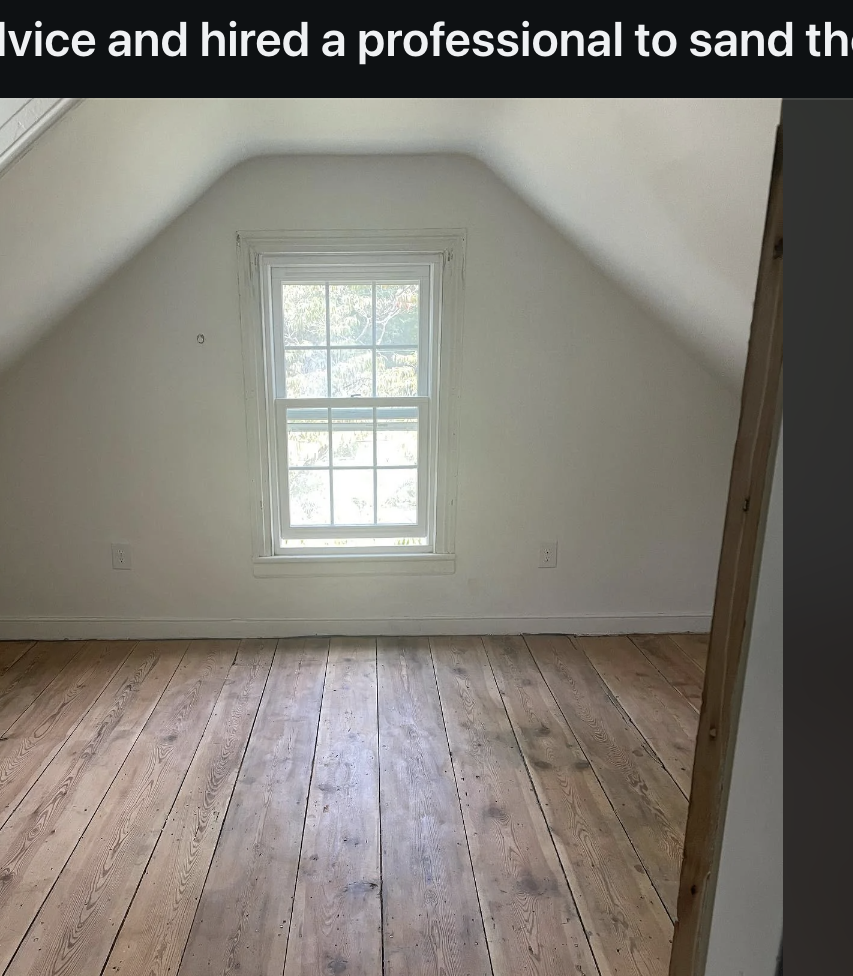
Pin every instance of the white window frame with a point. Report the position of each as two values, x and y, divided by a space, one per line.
427 270
264 257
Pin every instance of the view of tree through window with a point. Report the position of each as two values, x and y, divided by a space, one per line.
351 465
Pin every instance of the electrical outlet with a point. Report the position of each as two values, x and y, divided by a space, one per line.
121 555
547 555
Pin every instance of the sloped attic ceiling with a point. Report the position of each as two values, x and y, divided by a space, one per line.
666 195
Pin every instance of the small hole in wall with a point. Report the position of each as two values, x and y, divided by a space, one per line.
199 338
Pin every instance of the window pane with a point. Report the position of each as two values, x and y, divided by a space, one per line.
307 438
397 372
309 497
397 497
353 497
397 314
352 437
304 314
351 315
305 373
352 373
396 435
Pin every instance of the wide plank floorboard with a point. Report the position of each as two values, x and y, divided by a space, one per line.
157 925
27 677
664 717
36 737
337 919
432 921
627 924
393 806
651 807
531 920
681 671
40 835
695 646
255 650
243 918
10 651
75 928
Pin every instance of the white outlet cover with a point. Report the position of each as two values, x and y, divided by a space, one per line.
121 555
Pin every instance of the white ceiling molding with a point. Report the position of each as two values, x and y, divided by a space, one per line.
27 123
667 195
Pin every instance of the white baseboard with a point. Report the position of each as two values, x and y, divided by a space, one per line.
164 628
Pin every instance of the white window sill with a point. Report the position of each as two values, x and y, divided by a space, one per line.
414 564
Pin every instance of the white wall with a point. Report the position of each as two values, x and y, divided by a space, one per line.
668 195
582 420
746 927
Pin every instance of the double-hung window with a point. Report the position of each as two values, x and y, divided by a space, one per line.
351 348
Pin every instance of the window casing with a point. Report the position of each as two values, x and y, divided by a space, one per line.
351 349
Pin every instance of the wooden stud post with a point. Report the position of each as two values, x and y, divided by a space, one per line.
754 454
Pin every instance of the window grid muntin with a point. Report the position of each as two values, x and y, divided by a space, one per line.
373 360
352 467
422 272
349 348
374 348
419 405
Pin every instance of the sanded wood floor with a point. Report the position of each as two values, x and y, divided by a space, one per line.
402 806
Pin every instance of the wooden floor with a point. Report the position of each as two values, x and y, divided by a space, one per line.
406 806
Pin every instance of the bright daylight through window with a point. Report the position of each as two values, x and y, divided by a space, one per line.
351 348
